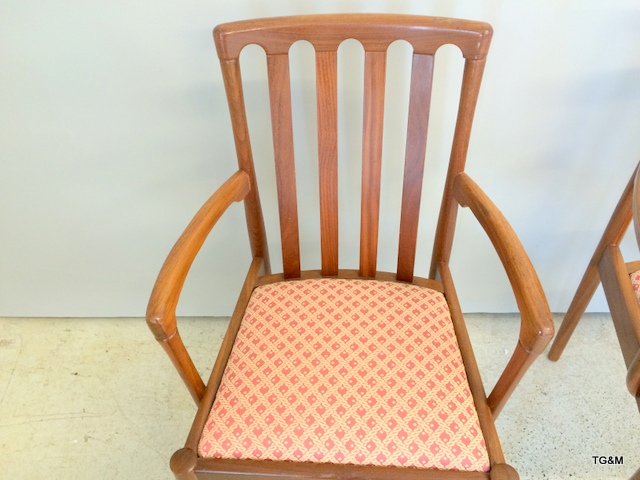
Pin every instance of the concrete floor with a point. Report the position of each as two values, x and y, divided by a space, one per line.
98 399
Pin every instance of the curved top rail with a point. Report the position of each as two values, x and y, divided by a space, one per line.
375 31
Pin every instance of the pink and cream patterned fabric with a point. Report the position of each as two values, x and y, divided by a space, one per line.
346 371
635 281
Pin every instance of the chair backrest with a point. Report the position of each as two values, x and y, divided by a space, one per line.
375 33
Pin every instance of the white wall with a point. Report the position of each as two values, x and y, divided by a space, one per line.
114 129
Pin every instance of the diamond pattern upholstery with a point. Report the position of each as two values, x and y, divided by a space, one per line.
346 371
635 281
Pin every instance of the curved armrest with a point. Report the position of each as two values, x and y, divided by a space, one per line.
536 327
624 309
161 310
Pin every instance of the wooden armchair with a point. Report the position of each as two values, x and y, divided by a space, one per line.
612 236
621 285
341 373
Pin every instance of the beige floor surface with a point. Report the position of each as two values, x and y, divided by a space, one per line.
98 399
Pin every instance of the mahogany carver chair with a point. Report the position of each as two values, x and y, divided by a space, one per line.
612 236
621 285
341 373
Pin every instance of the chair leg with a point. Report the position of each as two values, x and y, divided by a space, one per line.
183 464
614 232
502 471
581 299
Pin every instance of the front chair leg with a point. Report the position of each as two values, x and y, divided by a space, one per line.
502 471
183 464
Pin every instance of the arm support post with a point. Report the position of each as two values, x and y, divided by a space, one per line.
625 312
536 327
161 311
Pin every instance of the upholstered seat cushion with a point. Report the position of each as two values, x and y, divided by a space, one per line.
635 281
346 371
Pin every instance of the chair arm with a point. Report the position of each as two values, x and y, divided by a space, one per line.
536 325
161 311
624 309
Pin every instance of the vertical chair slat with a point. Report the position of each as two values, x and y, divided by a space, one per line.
327 106
374 82
280 98
253 211
419 104
448 209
